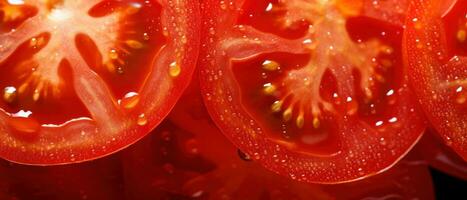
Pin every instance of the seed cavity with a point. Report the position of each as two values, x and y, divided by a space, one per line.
297 94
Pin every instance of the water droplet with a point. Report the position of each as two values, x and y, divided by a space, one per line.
142 120
382 141
9 94
276 106
351 106
113 54
269 88
146 36
269 7
270 65
174 69
130 100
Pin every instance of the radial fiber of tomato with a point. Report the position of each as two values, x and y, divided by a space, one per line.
436 52
314 90
83 79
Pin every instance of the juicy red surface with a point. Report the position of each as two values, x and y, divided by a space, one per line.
143 26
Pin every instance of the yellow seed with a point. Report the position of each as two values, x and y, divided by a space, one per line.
269 88
36 95
461 35
134 44
9 94
174 69
33 42
276 106
270 65
113 54
287 115
300 121
316 122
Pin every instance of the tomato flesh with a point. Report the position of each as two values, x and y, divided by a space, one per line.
80 78
435 51
301 88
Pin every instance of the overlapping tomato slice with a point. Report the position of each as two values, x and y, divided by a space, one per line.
83 79
436 53
432 149
313 90
188 158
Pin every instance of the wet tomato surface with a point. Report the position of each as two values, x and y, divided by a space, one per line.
313 90
232 99
436 55
83 79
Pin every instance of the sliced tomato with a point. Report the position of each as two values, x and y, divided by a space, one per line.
313 90
93 180
83 79
432 149
188 158
436 52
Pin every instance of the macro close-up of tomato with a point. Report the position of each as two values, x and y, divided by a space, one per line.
233 99
83 79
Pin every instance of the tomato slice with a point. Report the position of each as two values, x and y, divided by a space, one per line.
436 52
441 157
91 180
314 90
189 158
83 79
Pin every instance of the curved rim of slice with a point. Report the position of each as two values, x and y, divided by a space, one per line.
246 133
113 127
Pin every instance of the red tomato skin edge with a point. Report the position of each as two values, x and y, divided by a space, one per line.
137 132
207 13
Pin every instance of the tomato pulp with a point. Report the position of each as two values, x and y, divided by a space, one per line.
435 47
314 90
83 79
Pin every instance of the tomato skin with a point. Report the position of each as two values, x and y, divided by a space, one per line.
432 149
228 174
437 67
113 123
222 97
99 179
